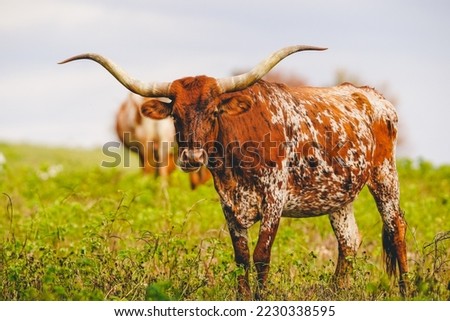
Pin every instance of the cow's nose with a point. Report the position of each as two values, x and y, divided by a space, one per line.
194 157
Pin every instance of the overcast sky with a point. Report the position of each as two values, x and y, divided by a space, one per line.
399 46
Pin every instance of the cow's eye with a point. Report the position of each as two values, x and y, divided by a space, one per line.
216 113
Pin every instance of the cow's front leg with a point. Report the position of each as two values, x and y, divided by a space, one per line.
261 254
239 238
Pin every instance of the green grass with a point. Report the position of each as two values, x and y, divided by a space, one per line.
71 230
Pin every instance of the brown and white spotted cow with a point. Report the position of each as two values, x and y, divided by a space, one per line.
277 151
153 140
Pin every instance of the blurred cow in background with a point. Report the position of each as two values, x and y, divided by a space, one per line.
153 140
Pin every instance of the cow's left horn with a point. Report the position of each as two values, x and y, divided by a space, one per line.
243 81
153 89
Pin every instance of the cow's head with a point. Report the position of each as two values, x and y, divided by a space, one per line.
196 103
196 106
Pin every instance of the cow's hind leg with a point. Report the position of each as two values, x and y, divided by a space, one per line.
347 234
384 187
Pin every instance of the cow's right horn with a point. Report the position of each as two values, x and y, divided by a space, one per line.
245 80
153 89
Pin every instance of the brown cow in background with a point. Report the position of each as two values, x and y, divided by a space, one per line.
153 140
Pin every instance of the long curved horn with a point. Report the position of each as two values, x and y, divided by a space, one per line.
153 89
245 80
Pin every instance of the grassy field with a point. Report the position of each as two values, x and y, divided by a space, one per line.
72 230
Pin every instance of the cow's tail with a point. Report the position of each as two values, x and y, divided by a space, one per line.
389 252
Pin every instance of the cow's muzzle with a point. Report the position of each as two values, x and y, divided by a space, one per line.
192 159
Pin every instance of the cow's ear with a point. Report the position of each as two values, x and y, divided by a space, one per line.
236 105
156 109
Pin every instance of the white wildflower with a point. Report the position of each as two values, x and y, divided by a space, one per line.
2 160
52 171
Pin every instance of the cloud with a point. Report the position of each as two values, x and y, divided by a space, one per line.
22 15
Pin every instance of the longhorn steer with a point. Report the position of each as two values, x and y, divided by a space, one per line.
153 140
276 151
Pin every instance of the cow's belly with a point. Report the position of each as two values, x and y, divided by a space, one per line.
311 204
323 196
